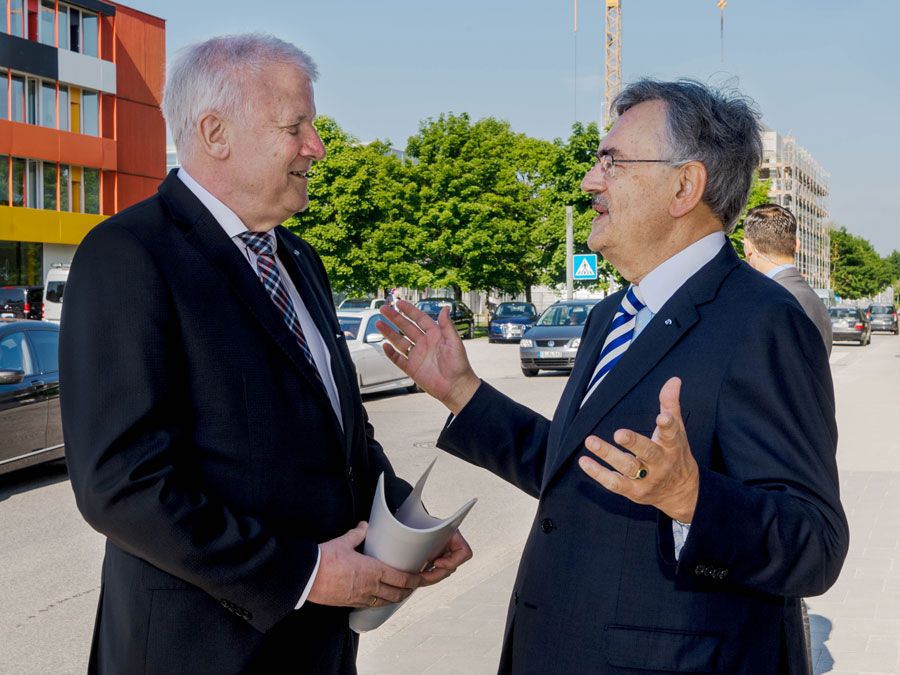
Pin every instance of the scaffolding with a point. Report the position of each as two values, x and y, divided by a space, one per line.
798 183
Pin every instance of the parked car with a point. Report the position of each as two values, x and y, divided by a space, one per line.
850 323
461 315
54 286
510 321
883 317
30 424
374 371
361 303
553 342
21 302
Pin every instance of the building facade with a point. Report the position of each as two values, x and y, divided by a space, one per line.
799 184
81 134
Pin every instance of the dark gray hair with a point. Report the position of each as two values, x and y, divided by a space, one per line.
772 229
213 75
717 127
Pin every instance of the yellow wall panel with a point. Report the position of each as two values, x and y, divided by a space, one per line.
47 227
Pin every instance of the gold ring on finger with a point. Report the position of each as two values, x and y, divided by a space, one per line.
409 348
641 472
373 601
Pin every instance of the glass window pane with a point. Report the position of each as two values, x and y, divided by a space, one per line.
64 188
4 181
46 347
62 27
16 18
48 105
32 185
50 186
18 181
18 99
92 190
89 33
74 30
4 95
31 103
63 107
90 111
48 21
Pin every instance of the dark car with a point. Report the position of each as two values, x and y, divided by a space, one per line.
460 315
553 342
850 324
510 321
30 425
22 302
883 317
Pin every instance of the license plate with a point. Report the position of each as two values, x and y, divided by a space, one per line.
549 355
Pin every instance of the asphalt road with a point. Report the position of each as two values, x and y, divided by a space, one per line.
50 559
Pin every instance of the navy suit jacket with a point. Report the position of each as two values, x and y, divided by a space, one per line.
599 589
200 443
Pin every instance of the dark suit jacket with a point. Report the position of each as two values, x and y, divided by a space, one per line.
200 444
791 279
599 590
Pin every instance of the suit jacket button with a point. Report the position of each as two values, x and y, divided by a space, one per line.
547 525
723 574
700 570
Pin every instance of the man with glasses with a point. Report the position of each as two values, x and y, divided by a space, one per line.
770 242
687 497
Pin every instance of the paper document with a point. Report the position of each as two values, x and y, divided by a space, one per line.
408 540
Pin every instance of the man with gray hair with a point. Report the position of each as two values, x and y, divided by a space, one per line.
770 242
687 496
213 424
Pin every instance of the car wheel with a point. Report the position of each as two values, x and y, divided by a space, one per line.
862 342
529 372
470 333
491 341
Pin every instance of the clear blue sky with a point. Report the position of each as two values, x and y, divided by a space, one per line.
825 71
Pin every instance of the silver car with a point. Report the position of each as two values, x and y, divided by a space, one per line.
374 371
553 342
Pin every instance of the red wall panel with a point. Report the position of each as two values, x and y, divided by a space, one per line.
108 179
142 139
133 189
140 56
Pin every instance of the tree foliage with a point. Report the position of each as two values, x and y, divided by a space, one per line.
857 271
759 194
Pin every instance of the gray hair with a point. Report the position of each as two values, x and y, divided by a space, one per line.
772 229
717 127
213 75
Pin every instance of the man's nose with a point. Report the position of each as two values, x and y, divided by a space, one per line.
314 147
594 180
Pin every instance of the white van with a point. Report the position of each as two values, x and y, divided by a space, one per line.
53 291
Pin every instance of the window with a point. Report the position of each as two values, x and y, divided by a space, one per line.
17 110
49 186
14 354
46 347
31 102
64 178
4 180
31 184
89 26
18 181
92 191
48 23
62 27
48 105
4 96
74 29
17 18
64 114
90 112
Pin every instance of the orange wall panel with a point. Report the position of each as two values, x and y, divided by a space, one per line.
50 145
142 140
133 189
107 115
27 140
108 182
107 33
140 56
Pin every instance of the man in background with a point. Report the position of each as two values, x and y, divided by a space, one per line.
770 242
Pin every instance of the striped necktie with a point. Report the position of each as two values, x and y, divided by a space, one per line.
261 244
619 337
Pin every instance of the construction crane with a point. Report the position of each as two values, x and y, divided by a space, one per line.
613 57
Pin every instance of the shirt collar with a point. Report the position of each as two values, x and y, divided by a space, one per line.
227 219
775 270
662 282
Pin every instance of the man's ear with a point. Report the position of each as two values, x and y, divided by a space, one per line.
796 245
213 136
689 189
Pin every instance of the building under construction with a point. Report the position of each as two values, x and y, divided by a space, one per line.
798 183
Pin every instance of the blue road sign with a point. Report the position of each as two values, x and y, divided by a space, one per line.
585 266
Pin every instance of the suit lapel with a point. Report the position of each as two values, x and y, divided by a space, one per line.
674 320
204 233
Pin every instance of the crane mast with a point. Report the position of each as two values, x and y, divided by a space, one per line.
613 57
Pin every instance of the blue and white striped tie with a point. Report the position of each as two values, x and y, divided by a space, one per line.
619 337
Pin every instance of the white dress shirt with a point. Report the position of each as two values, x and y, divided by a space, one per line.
233 226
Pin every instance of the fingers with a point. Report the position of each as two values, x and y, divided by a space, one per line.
455 554
669 422
625 463
411 321
357 535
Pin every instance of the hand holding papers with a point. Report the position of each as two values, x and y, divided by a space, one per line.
408 540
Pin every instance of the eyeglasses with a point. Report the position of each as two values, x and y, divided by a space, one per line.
608 163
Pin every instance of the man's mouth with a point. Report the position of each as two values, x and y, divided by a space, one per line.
303 174
600 206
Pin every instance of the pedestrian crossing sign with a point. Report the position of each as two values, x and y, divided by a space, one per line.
585 266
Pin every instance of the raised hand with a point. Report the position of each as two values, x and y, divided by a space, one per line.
660 471
430 353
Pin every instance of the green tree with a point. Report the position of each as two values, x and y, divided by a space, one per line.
759 194
857 271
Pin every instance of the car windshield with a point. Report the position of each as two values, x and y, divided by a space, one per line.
881 309
433 306
350 326
356 304
842 313
11 295
513 308
564 315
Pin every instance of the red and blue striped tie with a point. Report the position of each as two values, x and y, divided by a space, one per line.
261 244
621 332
